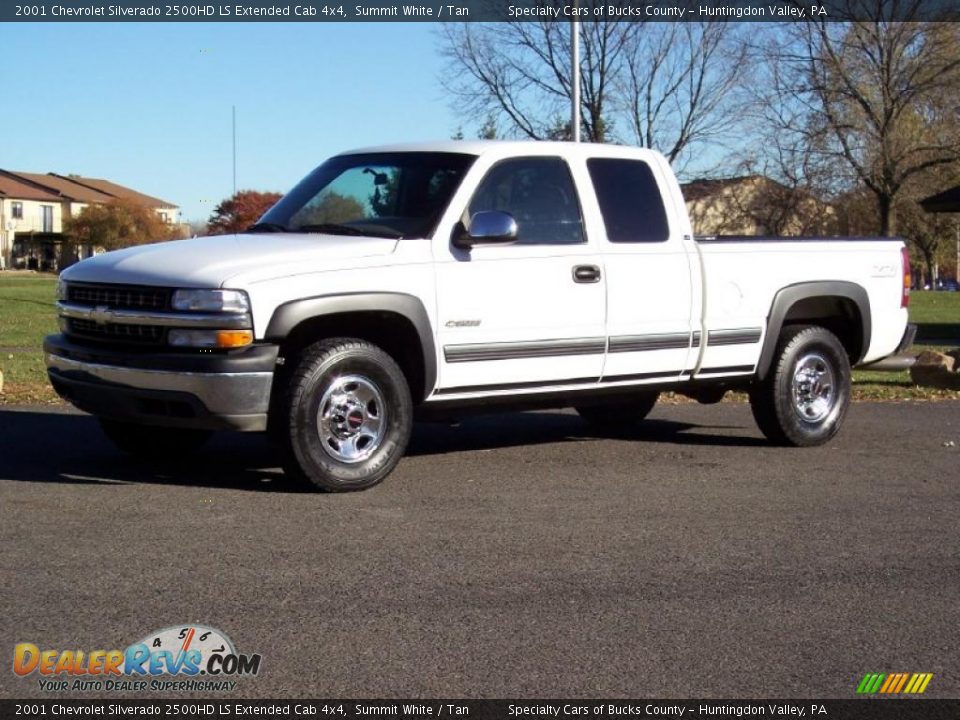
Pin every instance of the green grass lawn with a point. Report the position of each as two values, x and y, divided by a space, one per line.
26 309
937 314
27 314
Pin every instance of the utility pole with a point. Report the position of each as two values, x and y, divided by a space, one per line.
234 118
575 77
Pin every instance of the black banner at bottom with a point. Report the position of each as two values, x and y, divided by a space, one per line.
865 709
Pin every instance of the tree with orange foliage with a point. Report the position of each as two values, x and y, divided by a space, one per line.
243 209
118 224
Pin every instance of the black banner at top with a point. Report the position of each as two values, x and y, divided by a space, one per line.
479 11
224 708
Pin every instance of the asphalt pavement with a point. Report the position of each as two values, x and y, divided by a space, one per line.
511 556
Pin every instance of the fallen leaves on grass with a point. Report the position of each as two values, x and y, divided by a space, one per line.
28 394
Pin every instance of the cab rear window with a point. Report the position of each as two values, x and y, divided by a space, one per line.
629 199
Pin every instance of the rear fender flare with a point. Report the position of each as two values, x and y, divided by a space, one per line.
786 298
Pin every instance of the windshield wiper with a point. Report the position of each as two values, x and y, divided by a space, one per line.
267 227
337 229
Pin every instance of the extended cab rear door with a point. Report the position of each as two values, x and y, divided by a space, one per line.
528 315
653 286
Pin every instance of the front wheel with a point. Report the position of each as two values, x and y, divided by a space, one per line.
153 442
346 416
804 398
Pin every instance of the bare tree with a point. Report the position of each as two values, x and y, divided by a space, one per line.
874 103
927 233
679 85
661 85
520 71
932 234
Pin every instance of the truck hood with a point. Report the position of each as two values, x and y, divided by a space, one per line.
212 261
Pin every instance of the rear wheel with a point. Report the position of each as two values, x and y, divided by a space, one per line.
346 415
804 398
153 442
619 414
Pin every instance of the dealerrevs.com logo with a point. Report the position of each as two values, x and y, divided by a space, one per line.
179 658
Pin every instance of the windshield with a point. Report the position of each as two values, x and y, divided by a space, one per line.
392 195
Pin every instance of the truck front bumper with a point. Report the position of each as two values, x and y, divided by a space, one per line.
229 391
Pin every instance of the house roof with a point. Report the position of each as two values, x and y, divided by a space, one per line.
14 189
65 189
119 191
705 187
946 202
81 189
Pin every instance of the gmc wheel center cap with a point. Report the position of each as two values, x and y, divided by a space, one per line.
346 418
355 419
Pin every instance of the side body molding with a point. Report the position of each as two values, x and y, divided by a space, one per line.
790 295
289 315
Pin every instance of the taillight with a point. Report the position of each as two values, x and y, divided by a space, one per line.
905 263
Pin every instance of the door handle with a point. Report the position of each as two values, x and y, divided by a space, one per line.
586 274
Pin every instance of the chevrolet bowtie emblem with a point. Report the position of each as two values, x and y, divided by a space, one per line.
101 315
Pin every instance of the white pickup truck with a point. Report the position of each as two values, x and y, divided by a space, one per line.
450 277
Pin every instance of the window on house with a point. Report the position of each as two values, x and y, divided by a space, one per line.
46 218
16 210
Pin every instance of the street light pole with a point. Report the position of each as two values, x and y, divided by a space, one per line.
575 78
233 115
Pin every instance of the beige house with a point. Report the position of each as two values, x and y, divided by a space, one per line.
30 213
755 205
33 207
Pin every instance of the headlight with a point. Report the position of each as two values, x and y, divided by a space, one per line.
61 290
230 301
209 338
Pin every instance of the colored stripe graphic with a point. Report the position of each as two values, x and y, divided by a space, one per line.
870 683
894 683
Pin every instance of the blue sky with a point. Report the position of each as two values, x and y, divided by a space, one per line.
148 105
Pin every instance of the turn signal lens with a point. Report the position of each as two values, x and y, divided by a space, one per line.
234 338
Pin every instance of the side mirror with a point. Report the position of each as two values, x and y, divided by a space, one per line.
489 227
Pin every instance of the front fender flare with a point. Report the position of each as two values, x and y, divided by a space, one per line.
287 316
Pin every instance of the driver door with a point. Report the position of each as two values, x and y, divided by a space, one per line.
528 315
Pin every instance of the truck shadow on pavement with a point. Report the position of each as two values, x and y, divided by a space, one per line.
51 446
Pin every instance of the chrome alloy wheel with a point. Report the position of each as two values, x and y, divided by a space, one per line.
352 418
814 389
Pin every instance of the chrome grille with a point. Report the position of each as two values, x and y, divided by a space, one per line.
124 297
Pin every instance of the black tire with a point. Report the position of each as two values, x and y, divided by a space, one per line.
345 417
619 414
154 442
803 400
